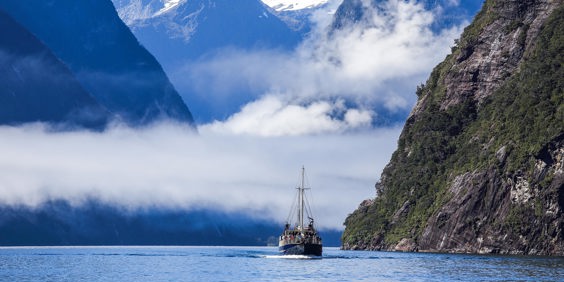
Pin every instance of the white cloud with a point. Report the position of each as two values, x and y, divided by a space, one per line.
271 116
355 118
170 166
377 64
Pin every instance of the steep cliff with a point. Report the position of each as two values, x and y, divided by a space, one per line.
36 86
480 162
104 56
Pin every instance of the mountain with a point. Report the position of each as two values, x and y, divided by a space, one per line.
176 31
447 13
36 86
59 222
181 33
479 163
104 56
293 5
296 14
93 223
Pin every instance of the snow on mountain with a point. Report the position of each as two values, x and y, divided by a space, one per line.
293 5
136 12
169 5
182 19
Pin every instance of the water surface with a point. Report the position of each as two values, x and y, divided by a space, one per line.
263 264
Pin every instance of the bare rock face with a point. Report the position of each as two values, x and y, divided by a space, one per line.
493 55
480 162
487 59
406 245
471 221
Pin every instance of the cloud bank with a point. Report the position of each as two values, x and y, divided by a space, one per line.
170 166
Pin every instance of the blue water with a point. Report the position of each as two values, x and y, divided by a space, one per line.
263 264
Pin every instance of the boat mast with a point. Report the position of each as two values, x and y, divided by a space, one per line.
301 199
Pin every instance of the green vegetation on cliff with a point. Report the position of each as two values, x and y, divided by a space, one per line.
513 134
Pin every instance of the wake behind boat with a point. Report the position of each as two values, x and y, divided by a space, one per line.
300 240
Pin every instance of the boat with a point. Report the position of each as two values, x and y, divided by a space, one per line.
301 239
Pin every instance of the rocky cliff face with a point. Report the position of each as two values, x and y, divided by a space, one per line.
480 162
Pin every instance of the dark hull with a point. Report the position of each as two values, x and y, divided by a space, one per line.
306 249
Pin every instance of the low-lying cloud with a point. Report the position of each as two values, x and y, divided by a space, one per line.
170 166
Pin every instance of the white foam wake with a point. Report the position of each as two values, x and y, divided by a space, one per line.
291 257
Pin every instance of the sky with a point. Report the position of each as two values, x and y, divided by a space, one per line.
314 107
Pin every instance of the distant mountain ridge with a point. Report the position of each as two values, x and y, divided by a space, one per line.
479 166
104 57
94 223
60 223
